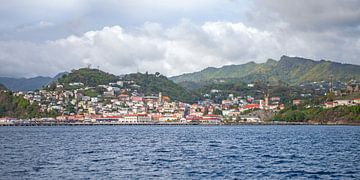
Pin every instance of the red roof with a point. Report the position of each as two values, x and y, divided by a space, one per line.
132 115
112 117
252 106
137 98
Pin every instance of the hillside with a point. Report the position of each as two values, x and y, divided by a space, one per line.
340 114
149 84
17 106
291 70
90 77
153 84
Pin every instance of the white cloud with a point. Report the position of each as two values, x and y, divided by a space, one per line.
185 47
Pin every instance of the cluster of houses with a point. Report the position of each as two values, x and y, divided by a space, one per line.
120 102
346 102
115 103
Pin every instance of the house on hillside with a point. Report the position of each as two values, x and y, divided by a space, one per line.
343 102
296 102
249 107
356 101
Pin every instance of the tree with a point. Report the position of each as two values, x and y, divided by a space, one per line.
330 96
70 108
206 111
217 112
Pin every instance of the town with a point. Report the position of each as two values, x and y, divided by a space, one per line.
120 103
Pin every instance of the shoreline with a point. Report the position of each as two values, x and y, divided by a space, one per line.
182 124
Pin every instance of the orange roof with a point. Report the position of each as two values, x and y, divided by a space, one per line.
166 98
252 106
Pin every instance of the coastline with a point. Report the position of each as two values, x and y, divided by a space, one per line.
181 124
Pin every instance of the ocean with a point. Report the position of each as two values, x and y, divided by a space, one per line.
180 152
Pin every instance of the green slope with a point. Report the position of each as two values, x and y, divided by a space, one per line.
149 83
153 84
90 77
17 106
291 70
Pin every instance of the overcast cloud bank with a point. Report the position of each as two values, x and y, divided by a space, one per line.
324 29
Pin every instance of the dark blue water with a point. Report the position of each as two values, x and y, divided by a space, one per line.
180 152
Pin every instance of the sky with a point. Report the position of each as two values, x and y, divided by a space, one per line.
43 38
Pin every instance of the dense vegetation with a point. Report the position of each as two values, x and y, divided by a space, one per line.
290 70
342 114
17 106
286 93
149 84
155 83
89 77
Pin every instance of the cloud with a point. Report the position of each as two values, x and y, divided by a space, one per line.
185 47
80 16
186 37
321 29
307 15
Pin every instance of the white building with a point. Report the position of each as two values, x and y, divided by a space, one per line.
137 118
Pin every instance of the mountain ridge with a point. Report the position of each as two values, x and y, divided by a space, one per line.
29 84
292 70
25 84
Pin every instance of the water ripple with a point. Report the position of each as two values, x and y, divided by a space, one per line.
185 152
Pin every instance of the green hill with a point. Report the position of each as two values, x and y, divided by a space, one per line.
149 84
153 84
17 106
90 77
340 114
291 70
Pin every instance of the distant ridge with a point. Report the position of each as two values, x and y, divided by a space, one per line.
2 87
291 70
28 84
